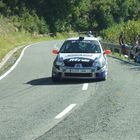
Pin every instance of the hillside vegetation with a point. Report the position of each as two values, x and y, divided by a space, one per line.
65 15
11 37
22 21
130 28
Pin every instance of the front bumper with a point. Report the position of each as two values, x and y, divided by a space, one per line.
79 73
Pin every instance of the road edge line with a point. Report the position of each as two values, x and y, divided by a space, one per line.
15 64
17 61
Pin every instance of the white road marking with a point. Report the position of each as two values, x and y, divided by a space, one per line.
85 86
65 111
16 63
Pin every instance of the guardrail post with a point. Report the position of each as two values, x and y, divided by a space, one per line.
120 51
129 50
113 49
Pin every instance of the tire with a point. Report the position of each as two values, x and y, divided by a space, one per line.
103 76
55 79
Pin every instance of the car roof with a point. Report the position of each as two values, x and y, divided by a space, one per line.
85 38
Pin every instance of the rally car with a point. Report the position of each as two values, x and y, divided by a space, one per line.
80 57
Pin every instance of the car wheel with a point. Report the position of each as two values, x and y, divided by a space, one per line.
103 76
55 79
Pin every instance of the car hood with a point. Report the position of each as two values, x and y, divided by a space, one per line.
80 56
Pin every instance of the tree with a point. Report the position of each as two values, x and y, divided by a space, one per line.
66 15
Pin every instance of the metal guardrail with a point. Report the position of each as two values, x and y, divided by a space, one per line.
115 48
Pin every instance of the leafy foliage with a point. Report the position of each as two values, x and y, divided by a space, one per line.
65 15
131 30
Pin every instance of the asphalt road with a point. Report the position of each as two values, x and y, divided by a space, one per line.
32 107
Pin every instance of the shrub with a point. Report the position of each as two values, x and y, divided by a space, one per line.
130 28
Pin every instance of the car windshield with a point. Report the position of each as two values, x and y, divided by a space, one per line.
77 46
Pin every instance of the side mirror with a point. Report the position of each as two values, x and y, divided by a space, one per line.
107 52
55 51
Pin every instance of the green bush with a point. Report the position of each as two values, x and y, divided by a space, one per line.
30 22
130 28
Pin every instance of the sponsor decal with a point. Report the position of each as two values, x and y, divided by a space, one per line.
78 60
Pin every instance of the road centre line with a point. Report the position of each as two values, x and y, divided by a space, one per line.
85 86
65 111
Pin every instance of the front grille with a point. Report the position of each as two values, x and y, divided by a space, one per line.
78 74
72 64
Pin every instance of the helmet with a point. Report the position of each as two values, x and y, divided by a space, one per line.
89 34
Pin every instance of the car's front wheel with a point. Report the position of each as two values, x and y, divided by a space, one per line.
102 76
56 77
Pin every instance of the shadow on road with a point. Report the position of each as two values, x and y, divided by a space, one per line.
132 66
126 62
48 81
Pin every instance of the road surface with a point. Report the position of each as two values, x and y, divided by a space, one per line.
32 107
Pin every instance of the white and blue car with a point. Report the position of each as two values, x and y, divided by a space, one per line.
81 57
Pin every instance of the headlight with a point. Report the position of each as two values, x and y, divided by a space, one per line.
59 62
99 64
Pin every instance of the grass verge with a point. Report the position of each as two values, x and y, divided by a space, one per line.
11 41
10 62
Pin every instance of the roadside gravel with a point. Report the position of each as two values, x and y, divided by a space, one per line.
10 59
